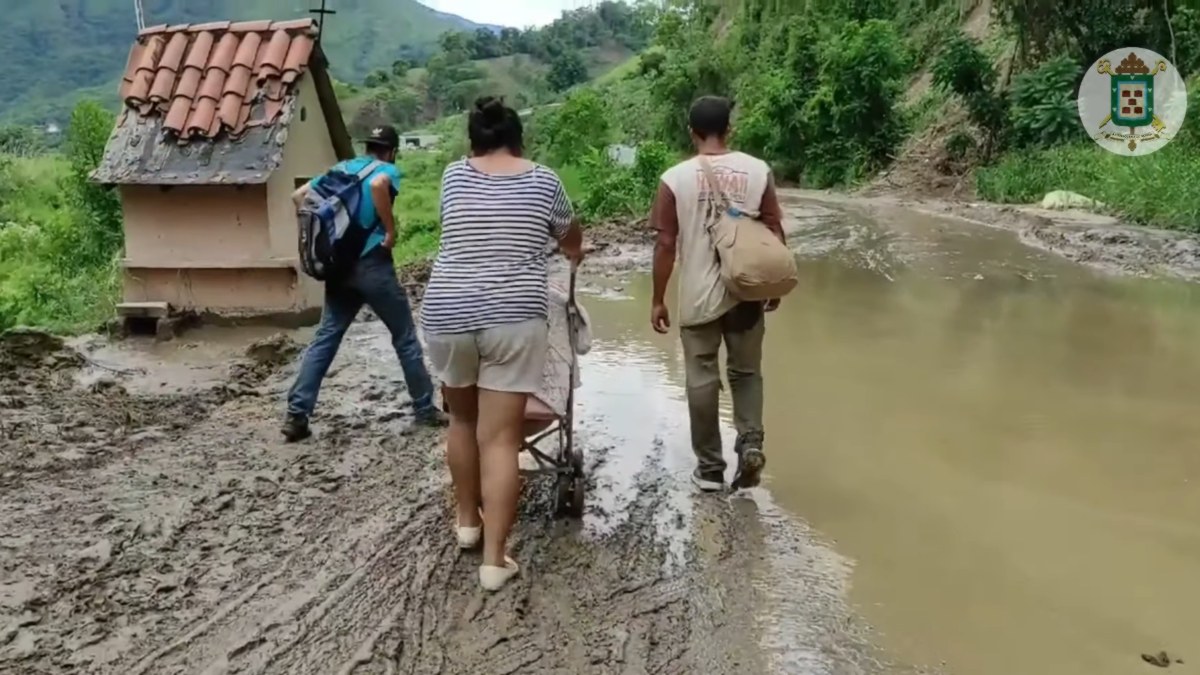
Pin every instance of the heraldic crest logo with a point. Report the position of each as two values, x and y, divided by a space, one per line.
1136 107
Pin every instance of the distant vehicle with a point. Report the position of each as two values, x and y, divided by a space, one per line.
419 141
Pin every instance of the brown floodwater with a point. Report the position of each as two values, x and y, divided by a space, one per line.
1005 445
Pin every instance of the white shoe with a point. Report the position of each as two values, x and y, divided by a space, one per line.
468 537
493 578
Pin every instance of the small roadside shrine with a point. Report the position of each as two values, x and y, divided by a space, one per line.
220 123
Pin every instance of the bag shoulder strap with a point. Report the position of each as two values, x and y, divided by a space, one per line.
369 169
715 187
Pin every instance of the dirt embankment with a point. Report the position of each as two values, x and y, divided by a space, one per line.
146 532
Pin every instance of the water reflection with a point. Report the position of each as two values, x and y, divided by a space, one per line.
1004 442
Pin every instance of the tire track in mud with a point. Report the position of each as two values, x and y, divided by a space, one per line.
411 606
224 551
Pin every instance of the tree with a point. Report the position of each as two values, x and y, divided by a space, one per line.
400 68
580 125
1085 29
100 207
485 44
376 78
566 71
456 45
510 41
651 63
20 140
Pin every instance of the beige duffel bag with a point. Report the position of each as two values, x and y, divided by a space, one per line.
755 264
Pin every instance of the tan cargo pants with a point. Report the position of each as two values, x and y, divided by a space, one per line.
742 330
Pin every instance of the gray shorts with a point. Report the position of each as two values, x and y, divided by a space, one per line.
507 358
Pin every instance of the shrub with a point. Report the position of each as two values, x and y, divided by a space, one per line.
579 126
614 192
854 117
962 68
1044 109
58 260
97 236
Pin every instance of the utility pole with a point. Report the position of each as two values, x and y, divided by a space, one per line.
141 16
321 13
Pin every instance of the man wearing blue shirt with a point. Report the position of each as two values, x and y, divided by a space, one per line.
373 283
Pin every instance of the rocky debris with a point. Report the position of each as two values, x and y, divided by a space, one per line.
1161 659
29 348
276 350
1120 248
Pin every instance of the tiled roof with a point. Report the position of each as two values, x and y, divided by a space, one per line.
205 80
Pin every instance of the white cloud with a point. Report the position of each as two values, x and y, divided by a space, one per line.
518 13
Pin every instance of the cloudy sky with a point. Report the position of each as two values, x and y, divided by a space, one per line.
507 12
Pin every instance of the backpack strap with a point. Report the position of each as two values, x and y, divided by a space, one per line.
369 169
361 176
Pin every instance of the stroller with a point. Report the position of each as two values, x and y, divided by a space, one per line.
542 421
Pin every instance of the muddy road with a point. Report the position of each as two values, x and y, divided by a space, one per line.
977 447
149 525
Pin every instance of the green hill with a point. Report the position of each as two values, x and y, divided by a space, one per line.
55 53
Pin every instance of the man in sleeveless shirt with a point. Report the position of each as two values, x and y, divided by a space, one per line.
708 313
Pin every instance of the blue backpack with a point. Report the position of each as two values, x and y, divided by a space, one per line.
331 242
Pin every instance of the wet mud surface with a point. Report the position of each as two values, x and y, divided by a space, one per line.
149 525
1096 240
152 521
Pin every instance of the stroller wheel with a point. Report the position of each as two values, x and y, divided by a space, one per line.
577 462
577 497
563 496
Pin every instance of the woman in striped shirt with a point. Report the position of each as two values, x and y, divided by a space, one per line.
484 315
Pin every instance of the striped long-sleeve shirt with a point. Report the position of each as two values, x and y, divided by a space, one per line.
490 268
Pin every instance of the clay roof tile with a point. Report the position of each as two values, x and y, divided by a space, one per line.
204 79
177 115
168 68
296 25
135 57
250 26
201 117
222 55
272 60
211 26
202 46
144 71
297 58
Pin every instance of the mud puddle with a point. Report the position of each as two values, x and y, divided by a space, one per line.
1002 441
186 538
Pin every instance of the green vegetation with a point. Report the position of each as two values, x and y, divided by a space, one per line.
527 67
1157 189
827 91
60 235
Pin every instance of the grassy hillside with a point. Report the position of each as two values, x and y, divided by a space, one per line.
519 78
53 50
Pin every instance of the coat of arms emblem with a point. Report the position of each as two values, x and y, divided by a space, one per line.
1145 103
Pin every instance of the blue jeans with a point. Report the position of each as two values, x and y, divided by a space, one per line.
373 282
